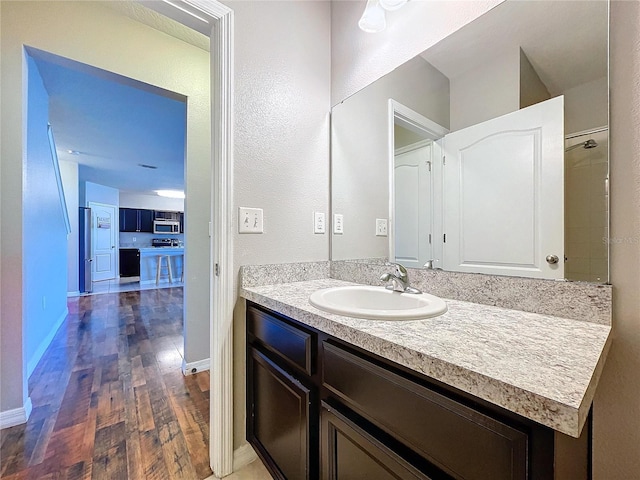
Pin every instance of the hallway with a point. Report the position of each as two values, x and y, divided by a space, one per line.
109 398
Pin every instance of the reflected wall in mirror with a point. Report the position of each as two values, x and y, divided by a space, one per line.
506 65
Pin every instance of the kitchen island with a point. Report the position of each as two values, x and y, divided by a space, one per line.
149 264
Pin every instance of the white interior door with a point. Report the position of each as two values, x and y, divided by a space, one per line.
413 201
104 228
504 194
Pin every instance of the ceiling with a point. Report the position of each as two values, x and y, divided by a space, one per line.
113 124
565 41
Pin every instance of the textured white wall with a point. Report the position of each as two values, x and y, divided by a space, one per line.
282 99
616 437
358 58
108 40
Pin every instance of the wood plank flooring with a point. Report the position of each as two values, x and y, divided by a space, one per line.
109 399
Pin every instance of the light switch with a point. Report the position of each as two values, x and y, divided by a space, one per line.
250 220
338 224
318 222
381 227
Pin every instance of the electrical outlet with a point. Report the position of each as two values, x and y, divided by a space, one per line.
318 222
338 224
133 239
381 227
250 220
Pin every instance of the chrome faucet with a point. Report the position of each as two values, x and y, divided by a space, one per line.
399 280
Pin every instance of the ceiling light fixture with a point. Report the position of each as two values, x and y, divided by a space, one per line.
170 193
373 19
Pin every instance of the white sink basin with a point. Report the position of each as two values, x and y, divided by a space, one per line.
377 303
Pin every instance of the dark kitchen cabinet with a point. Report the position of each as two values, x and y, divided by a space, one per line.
321 408
136 220
129 262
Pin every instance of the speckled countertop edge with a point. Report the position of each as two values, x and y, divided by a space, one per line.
542 367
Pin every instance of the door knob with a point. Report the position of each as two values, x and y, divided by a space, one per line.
552 259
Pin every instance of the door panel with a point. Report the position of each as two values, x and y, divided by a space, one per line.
104 225
504 194
413 203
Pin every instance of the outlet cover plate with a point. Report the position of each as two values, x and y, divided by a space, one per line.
338 224
318 222
250 220
381 227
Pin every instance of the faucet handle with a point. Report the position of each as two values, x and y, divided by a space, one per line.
400 270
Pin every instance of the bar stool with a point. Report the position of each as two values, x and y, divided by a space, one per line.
159 268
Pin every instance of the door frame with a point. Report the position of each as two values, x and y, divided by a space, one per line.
411 120
214 19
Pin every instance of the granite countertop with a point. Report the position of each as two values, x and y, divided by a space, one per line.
542 367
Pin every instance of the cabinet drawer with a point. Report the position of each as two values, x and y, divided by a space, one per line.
349 452
461 441
291 343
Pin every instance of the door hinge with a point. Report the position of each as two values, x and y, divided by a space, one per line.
444 238
429 165
429 239
444 160
216 270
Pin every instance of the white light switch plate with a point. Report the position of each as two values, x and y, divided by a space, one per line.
338 224
318 222
381 227
250 220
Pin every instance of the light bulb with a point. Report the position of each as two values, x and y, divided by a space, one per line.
373 19
392 4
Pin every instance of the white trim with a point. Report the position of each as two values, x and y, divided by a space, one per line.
417 123
16 416
46 341
221 301
73 294
243 456
199 366
413 146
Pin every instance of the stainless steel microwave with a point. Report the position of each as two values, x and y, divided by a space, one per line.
166 226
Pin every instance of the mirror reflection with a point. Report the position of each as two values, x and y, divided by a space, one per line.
486 153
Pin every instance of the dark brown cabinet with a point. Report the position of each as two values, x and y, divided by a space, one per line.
136 220
349 452
320 408
279 417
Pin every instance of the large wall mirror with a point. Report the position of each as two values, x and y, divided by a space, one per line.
486 153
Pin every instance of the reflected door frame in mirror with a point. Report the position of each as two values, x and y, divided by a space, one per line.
405 117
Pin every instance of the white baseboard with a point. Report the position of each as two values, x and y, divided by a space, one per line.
37 355
16 416
243 456
199 366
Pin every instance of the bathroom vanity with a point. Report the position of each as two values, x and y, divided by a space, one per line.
479 392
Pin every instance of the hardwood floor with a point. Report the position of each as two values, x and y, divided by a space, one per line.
109 399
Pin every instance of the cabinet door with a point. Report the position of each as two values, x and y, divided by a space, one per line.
128 220
278 414
145 221
351 453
